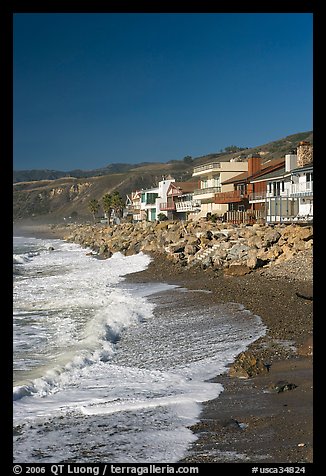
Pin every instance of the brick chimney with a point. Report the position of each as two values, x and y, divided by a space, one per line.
254 164
304 153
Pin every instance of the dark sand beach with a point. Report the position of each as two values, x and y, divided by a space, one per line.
267 418
251 421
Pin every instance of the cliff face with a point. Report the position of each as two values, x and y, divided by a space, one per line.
56 199
59 197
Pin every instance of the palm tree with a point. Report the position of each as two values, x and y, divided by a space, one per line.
107 204
94 207
117 203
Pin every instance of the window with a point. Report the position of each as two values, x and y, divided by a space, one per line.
151 198
282 185
309 177
204 183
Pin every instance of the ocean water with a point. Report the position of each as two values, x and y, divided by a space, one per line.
106 371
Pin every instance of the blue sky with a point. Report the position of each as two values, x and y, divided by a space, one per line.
97 88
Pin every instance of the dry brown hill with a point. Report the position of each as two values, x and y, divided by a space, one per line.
55 199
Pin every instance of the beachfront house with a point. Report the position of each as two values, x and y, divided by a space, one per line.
288 194
302 190
133 206
211 178
240 208
180 203
146 204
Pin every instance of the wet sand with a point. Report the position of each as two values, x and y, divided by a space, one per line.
251 421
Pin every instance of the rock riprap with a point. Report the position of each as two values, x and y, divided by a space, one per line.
234 249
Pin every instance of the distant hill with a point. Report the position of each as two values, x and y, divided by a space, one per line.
45 174
271 150
53 194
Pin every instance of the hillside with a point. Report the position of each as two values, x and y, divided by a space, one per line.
60 198
52 196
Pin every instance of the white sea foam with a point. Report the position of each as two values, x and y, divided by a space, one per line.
81 310
94 363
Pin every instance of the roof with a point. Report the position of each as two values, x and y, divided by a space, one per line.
272 175
270 165
184 187
305 168
281 172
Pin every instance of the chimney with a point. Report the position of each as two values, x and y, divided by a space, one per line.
254 164
290 162
304 153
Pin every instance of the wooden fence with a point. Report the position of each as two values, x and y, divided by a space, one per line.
249 217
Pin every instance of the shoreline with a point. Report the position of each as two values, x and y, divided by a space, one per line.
275 427
39 230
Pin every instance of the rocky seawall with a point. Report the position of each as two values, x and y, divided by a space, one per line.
236 250
217 250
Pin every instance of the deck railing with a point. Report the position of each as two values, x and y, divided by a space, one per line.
229 197
187 206
204 191
204 167
304 188
167 206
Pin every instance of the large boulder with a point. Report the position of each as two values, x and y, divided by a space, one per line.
255 241
237 270
238 251
272 236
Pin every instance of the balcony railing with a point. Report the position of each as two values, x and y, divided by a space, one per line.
165 207
204 167
187 206
133 208
257 196
208 190
298 189
229 197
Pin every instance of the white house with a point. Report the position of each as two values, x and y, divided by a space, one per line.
289 192
301 189
151 199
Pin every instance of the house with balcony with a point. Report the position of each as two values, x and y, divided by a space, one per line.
274 200
301 189
239 208
133 206
146 204
211 180
302 182
237 198
180 203
288 194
